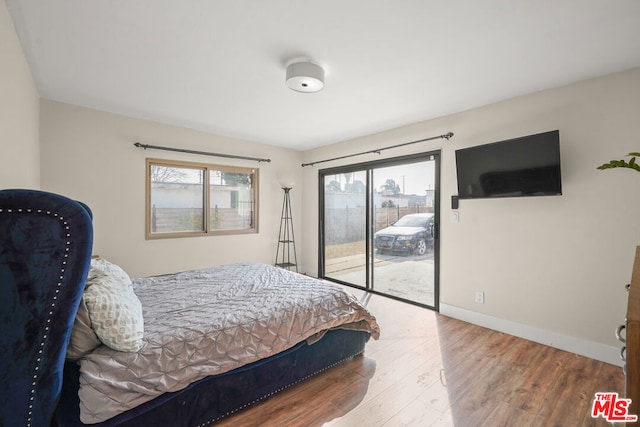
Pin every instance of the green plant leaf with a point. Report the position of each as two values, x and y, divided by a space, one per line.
631 164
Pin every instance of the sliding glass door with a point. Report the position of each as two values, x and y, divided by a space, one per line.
379 227
346 250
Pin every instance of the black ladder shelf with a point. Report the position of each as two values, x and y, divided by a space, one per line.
286 241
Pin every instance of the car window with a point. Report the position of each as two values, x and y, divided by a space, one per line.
412 221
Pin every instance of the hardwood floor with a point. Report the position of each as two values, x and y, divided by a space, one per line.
431 370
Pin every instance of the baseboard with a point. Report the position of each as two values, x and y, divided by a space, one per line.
602 352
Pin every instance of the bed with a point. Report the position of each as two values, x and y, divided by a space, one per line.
215 341
192 347
251 327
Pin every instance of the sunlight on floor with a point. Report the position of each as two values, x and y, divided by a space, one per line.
409 387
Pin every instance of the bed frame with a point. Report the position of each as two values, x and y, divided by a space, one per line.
213 398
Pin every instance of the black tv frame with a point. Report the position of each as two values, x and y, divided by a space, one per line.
519 167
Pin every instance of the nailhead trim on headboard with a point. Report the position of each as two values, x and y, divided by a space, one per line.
45 334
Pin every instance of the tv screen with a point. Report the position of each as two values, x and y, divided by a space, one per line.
525 166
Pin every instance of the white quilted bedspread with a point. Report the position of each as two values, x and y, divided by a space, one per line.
206 322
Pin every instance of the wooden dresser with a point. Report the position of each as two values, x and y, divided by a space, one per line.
633 338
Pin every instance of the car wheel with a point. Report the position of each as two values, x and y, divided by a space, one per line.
421 247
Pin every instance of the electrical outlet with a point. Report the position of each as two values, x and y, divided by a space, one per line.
479 297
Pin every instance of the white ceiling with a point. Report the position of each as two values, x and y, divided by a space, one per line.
219 65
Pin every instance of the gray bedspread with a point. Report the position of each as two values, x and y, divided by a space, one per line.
206 322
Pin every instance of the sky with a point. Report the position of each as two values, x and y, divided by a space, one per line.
413 178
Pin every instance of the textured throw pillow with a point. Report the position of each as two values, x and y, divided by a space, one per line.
110 269
110 313
114 309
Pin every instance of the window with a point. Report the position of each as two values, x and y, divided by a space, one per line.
194 199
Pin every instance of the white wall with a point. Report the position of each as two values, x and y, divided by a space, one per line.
89 155
555 265
552 265
19 132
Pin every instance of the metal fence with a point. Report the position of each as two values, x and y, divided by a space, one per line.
167 220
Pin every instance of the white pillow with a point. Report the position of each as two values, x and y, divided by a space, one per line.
114 309
110 269
110 313
83 337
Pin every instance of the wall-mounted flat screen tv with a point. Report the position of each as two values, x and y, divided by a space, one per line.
525 166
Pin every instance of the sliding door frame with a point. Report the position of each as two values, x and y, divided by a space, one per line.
321 205
367 167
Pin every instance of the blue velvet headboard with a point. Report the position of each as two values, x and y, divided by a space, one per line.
45 252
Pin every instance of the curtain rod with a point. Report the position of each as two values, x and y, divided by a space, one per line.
378 150
204 153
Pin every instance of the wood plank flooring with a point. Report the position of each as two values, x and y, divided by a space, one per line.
431 370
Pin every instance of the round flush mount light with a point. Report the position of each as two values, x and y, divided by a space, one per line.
305 77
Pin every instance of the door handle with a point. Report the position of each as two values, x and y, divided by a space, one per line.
434 230
619 333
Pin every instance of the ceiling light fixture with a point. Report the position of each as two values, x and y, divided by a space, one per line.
305 77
